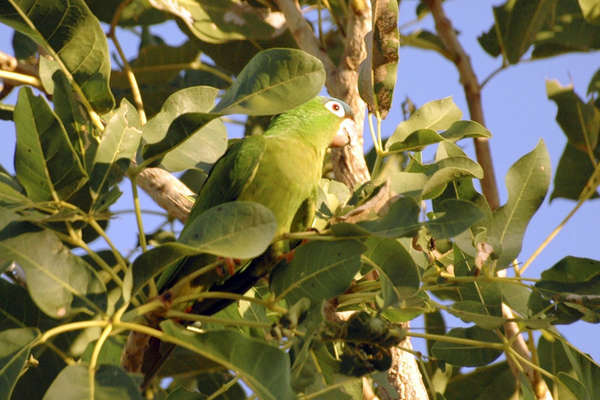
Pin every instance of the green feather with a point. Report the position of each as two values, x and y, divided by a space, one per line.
280 169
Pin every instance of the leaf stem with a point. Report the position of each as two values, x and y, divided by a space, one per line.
530 364
96 227
21 78
135 90
224 388
587 192
146 308
138 212
216 320
451 339
94 358
492 74
94 256
199 272
73 326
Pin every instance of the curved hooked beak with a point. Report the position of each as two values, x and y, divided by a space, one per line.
344 134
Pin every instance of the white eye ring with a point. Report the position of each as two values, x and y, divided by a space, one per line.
336 108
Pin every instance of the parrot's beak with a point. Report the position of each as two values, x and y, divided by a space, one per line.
344 134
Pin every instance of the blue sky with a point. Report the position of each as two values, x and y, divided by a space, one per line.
517 112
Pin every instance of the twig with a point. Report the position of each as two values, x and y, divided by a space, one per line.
135 90
492 74
18 78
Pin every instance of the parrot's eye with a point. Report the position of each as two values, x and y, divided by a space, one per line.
336 108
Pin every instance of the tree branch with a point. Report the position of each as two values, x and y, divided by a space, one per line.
349 164
489 187
167 191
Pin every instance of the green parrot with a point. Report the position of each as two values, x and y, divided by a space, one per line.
279 169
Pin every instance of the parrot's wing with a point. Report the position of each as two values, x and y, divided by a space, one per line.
229 176
226 181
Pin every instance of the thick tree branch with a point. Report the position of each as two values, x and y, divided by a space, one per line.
489 187
349 163
167 191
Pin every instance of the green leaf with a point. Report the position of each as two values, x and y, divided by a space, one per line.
59 282
154 261
34 382
468 355
15 347
435 115
17 309
397 270
377 73
416 140
494 381
72 32
527 182
237 229
572 269
527 392
453 217
578 120
274 81
209 383
590 10
473 311
219 21
569 185
424 39
320 270
574 386
401 219
9 196
23 47
566 30
206 145
264 368
45 161
182 129
118 146
594 85
109 354
446 170
157 64
516 297
558 357
465 129
517 23
68 108
111 382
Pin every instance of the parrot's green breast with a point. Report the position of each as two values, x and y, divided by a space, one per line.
281 185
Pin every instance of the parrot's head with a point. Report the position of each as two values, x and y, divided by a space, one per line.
343 116
321 121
